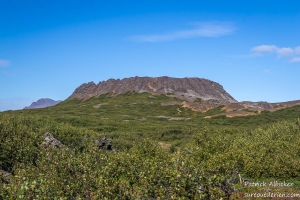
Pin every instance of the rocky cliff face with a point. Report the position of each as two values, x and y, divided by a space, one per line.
187 88
42 103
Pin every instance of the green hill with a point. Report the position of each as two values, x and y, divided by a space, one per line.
159 151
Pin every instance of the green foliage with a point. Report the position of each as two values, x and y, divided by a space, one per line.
200 161
214 111
273 151
199 100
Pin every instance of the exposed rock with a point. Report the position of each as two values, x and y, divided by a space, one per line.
178 118
173 118
101 143
163 117
43 103
104 143
256 105
142 119
172 103
201 107
185 88
4 176
109 145
50 140
100 104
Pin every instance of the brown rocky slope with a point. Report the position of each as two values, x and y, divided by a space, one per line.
185 88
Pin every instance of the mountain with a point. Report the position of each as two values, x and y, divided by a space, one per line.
198 94
42 103
189 89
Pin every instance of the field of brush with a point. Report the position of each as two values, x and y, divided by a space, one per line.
159 152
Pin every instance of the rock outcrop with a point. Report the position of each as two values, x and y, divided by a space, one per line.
51 141
184 88
4 176
104 143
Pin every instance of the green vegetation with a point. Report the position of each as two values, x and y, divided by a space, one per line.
188 158
248 110
199 100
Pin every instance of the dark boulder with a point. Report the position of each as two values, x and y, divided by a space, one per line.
104 143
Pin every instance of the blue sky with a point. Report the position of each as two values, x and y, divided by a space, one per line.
48 48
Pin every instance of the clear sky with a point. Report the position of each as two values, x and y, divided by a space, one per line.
50 47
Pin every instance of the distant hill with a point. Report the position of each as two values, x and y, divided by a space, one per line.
185 88
42 103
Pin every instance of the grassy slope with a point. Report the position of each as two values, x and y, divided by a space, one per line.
124 114
208 147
